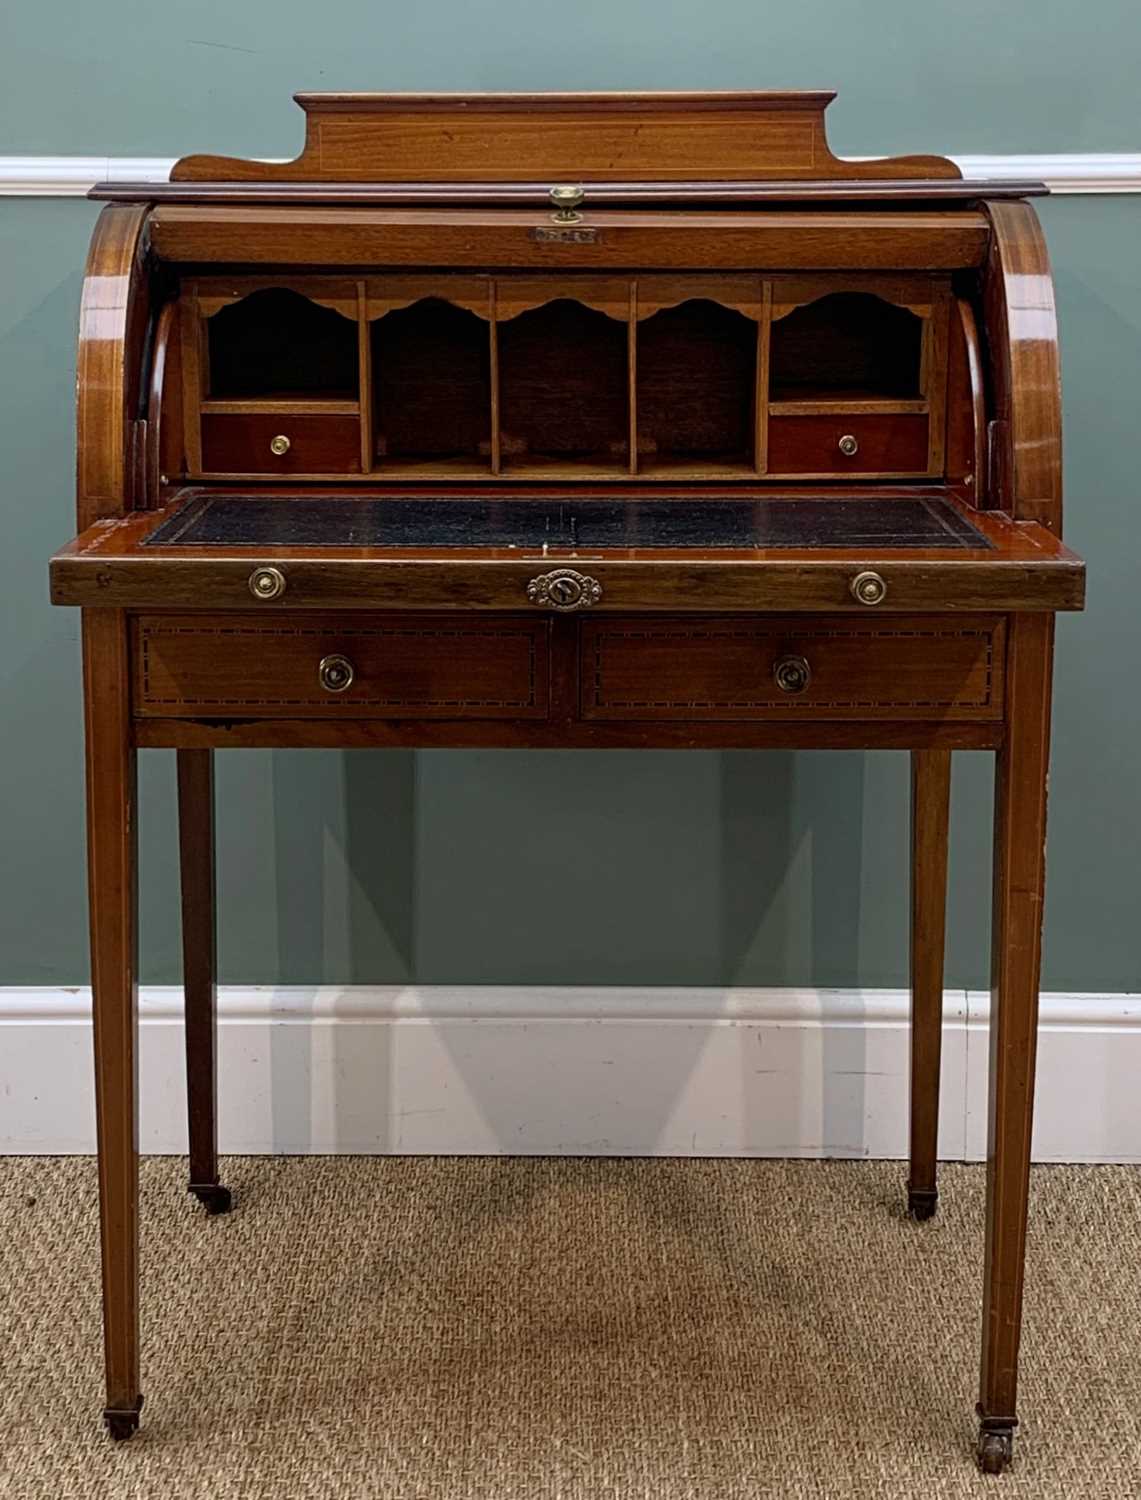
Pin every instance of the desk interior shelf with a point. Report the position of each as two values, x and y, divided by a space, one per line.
697 390
846 349
277 346
431 387
566 377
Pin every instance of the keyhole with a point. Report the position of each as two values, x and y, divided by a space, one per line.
565 590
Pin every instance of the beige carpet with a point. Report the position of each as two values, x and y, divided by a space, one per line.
523 1329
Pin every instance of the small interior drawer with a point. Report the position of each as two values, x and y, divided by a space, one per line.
839 443
280 443
740 667
420 667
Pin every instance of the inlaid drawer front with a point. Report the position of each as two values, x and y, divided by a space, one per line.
737 667
425 667
888 443
280 443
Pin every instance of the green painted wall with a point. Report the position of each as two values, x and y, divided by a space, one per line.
590 867
119 76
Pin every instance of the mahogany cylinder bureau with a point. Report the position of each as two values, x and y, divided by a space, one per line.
570 420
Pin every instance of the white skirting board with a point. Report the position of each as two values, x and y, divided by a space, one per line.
571 1071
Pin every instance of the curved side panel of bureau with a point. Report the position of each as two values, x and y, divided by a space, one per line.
1022 351
113 314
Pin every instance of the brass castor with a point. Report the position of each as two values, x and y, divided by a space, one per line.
214 1198
996 1447
921 1203
122 1424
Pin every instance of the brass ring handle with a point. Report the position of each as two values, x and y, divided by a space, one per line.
280 445
267 583
868 588
848 445
335 674
792 674
564 589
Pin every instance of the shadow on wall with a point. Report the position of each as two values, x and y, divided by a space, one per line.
776 844
378 854
344 856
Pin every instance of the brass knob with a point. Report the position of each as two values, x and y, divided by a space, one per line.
792 674
335 674
868 588
280 445
564 589
567 198
848 445
267 583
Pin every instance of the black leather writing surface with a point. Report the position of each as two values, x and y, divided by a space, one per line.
587 525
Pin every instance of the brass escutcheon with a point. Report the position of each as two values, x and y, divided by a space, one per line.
567 198
792 674
267 583
280 445
564 589
868 588
335 674
848 445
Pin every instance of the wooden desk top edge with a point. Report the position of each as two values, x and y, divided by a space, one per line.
964 190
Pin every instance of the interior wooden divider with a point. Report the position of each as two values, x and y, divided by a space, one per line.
364 355
632 380
493 357
936 350
193 385
764 336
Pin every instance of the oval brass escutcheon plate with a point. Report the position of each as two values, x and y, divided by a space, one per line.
564 589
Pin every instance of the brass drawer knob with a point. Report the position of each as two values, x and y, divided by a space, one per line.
267 583
848 445
567 198
280 445
868 588
792 674
336 674
564 589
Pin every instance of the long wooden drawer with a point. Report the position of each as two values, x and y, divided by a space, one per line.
414 667
733 667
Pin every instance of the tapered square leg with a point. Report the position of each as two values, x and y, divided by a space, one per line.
111 870
930 812
199 970
1019 884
